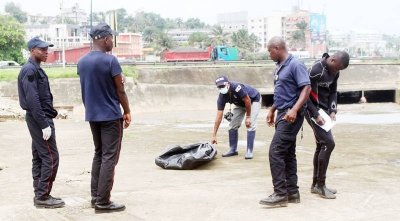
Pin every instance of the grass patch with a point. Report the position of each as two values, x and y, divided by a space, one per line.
11 74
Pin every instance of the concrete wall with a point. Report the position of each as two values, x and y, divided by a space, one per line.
159 89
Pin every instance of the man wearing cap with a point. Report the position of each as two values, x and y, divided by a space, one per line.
102 94
35 97
247 102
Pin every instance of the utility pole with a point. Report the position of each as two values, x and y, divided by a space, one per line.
91 24
63 34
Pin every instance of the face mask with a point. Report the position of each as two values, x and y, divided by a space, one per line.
224 90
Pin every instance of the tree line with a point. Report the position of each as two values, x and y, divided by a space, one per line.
153 28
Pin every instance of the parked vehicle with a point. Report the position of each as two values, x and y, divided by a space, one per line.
8 63
220 53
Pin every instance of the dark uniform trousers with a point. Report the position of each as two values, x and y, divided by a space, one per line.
325 145
282 154
107 136
45 157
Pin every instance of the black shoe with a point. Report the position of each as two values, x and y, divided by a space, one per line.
56 198
274 200
324 192
49 202
93 202
334 191
230 153
294 198
108 208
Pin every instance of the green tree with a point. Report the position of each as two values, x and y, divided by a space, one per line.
246 44
179 22
194 23
16 12
164 41
150 34
298 38
199 39
219 36
11 39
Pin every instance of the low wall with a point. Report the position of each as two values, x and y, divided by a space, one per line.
170 88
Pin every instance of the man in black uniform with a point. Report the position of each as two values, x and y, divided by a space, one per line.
35 97
324 75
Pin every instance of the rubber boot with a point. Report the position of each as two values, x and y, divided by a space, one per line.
233 142
251 135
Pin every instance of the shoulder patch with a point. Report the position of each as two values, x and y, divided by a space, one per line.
31 77
238 88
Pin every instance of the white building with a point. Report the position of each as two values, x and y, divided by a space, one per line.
258 27
181 36
233 22
71 35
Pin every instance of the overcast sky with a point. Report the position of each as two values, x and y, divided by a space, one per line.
382 16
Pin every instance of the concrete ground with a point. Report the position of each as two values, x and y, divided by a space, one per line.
365 168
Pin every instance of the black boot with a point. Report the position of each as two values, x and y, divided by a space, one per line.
251 135
321 190
313 190
275 200
233 142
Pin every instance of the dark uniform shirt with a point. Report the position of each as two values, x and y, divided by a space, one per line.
96 71
323 88
236 93
289 79
34 93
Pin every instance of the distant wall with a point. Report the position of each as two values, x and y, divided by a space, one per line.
170 88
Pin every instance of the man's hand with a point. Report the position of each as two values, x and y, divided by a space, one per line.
46 133
271 118
127 120
320 121
333 116
214 140
248 121
290 116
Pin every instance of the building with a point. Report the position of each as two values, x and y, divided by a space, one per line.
181 36
74 15
129 46
61 35
258 27
305 31
233 22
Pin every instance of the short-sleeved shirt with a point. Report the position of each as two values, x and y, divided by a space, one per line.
96 71
34 93
235 95
289 79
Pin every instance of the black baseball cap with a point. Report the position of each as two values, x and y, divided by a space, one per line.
101 30
221 81
36 42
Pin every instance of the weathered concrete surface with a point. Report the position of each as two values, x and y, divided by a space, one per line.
184 88
365 168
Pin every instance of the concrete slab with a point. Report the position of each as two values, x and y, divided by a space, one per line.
365 168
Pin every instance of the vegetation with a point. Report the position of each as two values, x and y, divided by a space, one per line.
220 37
246 44
16 12
298 38
11 74
12 40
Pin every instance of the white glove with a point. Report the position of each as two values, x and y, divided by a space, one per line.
46 133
